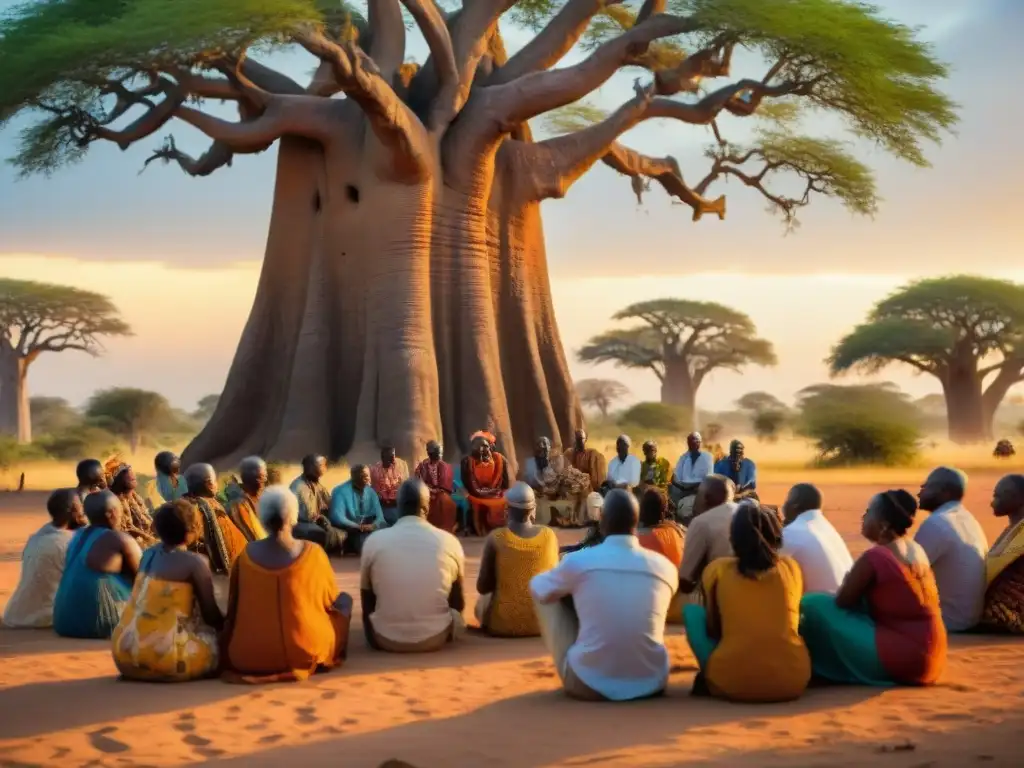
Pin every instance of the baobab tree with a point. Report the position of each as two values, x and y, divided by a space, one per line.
968 332
37 318
404 292
681 342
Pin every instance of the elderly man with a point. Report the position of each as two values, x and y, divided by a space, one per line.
411 580
385 477
545 473
589 461
356 509
1004 566
741 470
90 477
609 642
439 477
655 471
221 541
314 503
708 535
691 469
244 510
956 547
811 540
624 469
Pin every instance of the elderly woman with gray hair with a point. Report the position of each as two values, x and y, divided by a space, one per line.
286 617
221 540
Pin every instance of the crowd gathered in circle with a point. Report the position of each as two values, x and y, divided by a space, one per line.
770 598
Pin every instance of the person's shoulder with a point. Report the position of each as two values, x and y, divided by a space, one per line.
659 565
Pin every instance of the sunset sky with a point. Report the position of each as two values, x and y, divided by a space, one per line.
181 256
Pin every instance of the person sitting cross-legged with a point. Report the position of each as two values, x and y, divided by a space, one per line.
385 477
314 505
655 471
512 556
42 563
691 469
286 617
221 540
485 477
438 476
411 580
747 639
624 469
355 509
602 611
741 470
244 510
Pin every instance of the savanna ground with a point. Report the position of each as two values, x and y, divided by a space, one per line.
497 702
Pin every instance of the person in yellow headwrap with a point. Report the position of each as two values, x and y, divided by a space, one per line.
1004 566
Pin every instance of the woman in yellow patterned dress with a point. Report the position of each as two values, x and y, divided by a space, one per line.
168 631
512 556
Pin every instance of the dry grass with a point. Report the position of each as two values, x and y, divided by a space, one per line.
785 461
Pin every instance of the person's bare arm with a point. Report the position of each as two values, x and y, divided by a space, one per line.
131 556
202 583
856 584
487 579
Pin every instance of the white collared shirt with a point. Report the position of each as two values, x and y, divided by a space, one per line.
689 470
956 547
621 593
820 551
627 471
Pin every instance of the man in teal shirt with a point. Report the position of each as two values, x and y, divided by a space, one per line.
356 507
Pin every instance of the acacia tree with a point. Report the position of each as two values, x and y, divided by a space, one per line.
758 402
681 342
968 332
128 412
600 393
404 292
37 318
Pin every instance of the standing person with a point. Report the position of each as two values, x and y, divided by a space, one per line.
655 470
136 520
691 469
884 626
813 541
244 510
314 505
356 510
221 541
709 535
747 639
591 463
169 483
485 477
42 563
624 469
1004 566
512 556
609 641
741 470
90 477
98 573
439 478
956 547
411 580
385 477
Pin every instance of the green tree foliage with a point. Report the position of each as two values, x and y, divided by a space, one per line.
131 413
53 415
968 332
755 402
767 424
863 424
656 418
681 342
205 408
600 393
77 442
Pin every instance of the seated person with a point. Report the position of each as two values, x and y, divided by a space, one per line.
741 470
286 617
244 509
708 536
91 478
98 573
512 556
411 580
654 470
884 626
747 639
592 535
168 630
169 482
42 563
356 510
135 520
589 462
607 642
659 533
556 486
221 541
314 505
1004 566
485 478
691 469
385 477
813 541
624 469
439 478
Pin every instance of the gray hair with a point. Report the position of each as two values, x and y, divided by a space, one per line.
952 479
197 475
279 508
544 441
251 465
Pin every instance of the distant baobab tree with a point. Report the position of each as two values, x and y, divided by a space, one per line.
600 393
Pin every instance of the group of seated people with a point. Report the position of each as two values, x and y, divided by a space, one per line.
768 598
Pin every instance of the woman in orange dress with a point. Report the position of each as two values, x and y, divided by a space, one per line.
286 617
659 533
485 477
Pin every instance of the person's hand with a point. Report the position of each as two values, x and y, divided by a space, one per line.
365 527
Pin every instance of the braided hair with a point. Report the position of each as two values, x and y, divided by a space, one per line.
756 536
897 508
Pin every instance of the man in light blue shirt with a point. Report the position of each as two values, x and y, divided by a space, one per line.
691 469
608 641
741 470
956 547
356 508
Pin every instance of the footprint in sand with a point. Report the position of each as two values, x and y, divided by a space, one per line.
349 721
271 738
419 712
306 716
328 695
754 725
101 741
185 723
209 752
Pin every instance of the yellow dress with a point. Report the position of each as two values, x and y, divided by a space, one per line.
518 560
160 636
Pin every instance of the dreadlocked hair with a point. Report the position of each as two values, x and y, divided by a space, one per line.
756 536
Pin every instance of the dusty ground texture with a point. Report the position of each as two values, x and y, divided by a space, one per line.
489 702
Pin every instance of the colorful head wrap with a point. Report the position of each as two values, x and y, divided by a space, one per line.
481 435
114 467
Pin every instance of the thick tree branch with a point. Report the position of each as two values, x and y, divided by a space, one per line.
307 116
387 46
650 8
270 80
152 120
219 155
665 171
471 34
713 61
452 92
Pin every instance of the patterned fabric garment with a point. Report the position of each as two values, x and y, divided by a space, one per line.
136 520
222 542
1004 596
243 513
160 636
385 480
518 560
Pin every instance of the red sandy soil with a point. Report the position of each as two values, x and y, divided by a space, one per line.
488 702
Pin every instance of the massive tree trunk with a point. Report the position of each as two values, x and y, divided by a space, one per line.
994 394
15 416
964 409
678 387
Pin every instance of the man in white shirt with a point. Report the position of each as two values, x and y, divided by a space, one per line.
609 641
624 469
691 469
811 540
411 580
956 547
